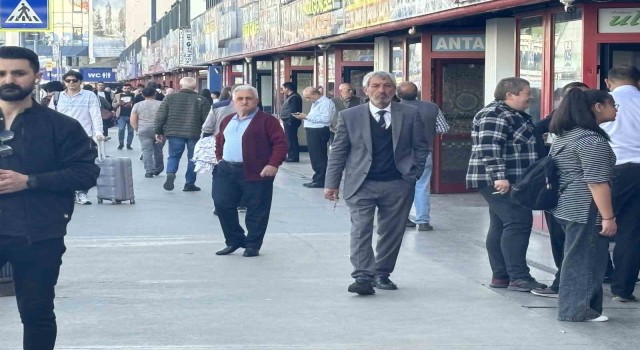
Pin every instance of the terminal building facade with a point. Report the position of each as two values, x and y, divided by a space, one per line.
454 50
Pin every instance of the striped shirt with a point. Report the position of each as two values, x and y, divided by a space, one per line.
441 123
588 159
83 106
504 145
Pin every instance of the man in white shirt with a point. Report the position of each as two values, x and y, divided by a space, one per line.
622 81
83 106
316 126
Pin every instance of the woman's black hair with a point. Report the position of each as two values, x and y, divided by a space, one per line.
206 93
575 111
53 86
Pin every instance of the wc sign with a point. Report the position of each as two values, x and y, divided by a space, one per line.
94 75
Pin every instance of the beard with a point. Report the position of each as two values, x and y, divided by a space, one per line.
13 92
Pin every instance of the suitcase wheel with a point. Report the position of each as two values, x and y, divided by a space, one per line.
117 202
133 201
100 201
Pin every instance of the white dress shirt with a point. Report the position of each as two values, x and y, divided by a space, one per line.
625 130
387 116
84 107
320 114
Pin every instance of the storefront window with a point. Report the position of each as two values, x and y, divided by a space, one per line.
397 61
365 55
302 61
531 59
321 70
415 63
331 73
237 68
263 65
567 48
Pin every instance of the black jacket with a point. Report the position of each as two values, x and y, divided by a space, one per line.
291 104
57 152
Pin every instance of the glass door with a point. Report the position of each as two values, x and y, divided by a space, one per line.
459 91
612 55
302 79
355 76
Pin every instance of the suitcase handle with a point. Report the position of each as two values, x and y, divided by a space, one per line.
102 152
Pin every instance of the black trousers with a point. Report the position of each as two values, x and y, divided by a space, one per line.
557 238
229 187
35 272
508 235
317 140
291 126
626 205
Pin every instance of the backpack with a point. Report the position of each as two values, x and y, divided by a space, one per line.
539 187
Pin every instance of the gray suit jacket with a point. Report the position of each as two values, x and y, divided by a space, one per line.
428 112
351 150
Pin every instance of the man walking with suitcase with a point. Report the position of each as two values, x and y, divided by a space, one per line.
83 106
44 157
179 119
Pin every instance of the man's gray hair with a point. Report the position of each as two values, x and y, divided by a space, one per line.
188 83
246 87
379 74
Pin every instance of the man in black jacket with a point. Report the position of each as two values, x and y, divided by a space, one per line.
292 104
44 157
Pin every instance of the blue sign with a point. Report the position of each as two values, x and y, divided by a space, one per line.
95 75
24 15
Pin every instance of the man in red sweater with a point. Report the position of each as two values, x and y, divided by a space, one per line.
250 147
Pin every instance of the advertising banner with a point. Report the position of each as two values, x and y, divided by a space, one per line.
109 28
365 13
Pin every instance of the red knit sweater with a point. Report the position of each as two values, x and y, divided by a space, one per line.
263 143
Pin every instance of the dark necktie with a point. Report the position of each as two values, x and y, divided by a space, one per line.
381 121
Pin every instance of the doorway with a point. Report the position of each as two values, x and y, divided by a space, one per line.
612 55
265 89
459 91
355 77
302 79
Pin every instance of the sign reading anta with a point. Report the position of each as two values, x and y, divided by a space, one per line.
457 42
619 20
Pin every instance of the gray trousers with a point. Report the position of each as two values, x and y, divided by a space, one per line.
151 150
393 200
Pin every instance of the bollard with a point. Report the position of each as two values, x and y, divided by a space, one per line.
7 287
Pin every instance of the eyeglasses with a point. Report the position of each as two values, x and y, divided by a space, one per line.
71 81
616 106
5 136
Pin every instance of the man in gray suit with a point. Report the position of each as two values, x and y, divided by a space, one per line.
381 147
434 122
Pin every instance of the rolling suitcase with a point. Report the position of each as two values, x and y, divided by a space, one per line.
115 182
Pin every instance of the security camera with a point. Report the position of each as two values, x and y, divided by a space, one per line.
323 46
568 5
412 30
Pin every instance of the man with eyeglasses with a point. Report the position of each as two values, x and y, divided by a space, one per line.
44 157
83 106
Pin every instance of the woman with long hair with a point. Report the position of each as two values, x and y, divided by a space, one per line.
585 162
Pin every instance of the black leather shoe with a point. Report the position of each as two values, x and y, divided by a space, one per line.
292 160
361 288
148 175
313 185
227 250
190 188
410 223
249 252
384 283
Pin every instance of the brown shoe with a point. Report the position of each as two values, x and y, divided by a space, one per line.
499 283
